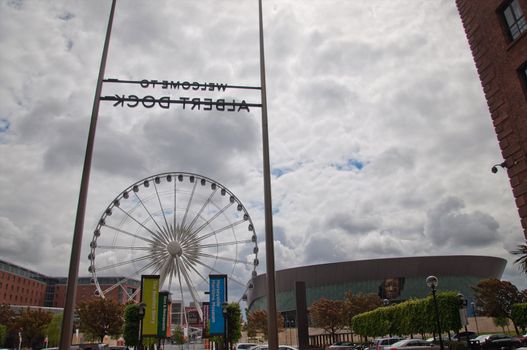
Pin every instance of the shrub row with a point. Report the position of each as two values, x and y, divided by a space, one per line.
415 316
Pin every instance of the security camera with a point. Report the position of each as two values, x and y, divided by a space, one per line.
494 168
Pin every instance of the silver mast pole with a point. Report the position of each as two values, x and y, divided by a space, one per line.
269 240
67 321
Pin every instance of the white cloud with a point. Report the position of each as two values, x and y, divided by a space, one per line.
379 130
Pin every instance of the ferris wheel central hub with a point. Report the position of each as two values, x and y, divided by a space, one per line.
174 249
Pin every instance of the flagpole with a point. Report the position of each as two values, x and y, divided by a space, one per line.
67 321
269 240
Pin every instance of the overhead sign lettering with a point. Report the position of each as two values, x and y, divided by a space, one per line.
190 103
165 102
185 85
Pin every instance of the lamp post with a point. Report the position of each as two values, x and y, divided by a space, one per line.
141 314
386 303
475 318
463 315
432 282
225 325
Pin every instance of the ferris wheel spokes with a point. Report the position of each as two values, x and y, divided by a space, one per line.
141 237
147 211
201 210
188 204
161 205
191 288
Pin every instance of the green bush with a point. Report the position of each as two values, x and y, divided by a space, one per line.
416 316
519 315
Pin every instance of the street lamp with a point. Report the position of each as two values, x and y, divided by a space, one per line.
432 282
463 315
386 303
224 307
475 316
141 314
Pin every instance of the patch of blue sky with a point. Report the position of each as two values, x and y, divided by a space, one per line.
350 165
4 125
66 16
280 171
17 4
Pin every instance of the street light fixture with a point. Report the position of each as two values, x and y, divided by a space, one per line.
432 282
463 315
224 307
141 313
475 316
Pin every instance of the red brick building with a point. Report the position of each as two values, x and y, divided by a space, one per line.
497 34
23 287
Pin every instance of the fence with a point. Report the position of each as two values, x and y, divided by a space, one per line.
323 340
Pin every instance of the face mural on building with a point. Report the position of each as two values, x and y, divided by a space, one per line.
391 288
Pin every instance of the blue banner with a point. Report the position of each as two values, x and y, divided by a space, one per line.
217 296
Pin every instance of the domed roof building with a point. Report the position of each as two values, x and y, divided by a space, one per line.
395 279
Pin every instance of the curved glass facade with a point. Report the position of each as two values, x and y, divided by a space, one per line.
413 288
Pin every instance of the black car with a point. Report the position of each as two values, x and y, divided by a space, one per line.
496 341
462 336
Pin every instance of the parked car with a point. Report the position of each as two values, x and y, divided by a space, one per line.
412 344
462 336
497 341
280 347
343 345
245 346
384 343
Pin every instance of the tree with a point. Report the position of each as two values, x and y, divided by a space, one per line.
257 322
234 326
6 315
131 324
3 333
32 324
410 317
519 315
495 298
359 303
521 250
100 317
178 337
54 330
501 322
329 315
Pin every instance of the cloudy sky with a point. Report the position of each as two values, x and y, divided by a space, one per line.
381 142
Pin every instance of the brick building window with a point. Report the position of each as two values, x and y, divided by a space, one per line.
514 18
522 73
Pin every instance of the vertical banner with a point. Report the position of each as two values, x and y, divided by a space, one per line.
217 296
150 296
169 321
162 314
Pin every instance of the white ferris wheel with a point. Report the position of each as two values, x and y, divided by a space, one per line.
181 226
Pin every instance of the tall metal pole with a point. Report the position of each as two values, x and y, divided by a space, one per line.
269 240
437 319
67 322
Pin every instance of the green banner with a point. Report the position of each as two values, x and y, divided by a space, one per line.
150 296
162 315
